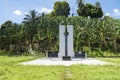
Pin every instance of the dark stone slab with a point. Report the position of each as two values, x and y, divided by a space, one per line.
66 58
80 55
52 54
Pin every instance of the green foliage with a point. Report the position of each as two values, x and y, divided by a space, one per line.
7 53
61 9
40 33
85 10
6 24
95 33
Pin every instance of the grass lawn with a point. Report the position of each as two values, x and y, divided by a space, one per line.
105 72
113 60
82 72
10 70
7 61
30 73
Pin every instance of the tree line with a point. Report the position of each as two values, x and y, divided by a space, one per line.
85 10
40 33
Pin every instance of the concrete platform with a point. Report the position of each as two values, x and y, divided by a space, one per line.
59 61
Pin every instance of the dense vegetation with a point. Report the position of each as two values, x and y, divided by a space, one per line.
40 33
94 11
97 34
61 9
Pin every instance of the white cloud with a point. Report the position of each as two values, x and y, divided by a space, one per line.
45 10
107 14
116 12
17 12
26 13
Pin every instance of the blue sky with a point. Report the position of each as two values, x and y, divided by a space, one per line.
16 9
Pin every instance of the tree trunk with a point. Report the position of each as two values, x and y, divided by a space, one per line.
115 45
89 44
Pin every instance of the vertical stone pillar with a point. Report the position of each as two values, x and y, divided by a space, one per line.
70 41
62 41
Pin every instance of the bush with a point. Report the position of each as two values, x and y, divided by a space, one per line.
97 52
7 53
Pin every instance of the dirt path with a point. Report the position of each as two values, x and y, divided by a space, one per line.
68 74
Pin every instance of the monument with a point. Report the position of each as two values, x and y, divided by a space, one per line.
66 50
66 42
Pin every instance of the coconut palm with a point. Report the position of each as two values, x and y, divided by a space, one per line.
30 22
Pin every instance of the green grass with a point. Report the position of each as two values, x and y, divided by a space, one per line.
105 72
113 60
31 73
82 72
10 70
5 60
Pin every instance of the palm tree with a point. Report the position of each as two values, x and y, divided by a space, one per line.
32 17
47 28
30 22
